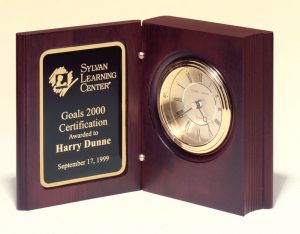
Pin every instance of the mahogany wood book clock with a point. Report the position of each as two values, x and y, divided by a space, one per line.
173 106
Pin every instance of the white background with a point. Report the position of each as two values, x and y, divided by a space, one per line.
142 212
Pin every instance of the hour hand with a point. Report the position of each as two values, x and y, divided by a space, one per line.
199 105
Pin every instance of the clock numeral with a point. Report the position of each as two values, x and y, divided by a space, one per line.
183 138
198 133
200 138
179 113
178 99
209 131
217 96
200 77
179 85
169 117
189 77
187 126
165 95
217 122
219 109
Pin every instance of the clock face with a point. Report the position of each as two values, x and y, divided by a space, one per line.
194 106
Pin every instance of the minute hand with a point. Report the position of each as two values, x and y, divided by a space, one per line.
180 116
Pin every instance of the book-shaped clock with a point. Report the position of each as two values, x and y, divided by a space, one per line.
173 106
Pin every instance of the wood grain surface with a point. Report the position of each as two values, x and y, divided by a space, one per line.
30 46
238 177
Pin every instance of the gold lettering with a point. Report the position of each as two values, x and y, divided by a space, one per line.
60 148
97 143
82 125
71 165
97 77
94 87
94 67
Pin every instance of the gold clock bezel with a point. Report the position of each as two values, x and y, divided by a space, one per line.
219 84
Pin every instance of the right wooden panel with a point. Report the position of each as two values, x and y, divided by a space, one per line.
238 177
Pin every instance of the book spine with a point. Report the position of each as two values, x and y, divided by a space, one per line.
259 122
21 122
268 120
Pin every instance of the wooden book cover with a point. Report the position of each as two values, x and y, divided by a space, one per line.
237 177
62 93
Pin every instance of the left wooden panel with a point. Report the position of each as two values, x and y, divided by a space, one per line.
30 46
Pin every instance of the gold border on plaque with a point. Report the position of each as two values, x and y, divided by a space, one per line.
123 122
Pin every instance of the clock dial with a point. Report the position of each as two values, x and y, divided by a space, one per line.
193 106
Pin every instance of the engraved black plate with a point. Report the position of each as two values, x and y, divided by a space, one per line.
82 113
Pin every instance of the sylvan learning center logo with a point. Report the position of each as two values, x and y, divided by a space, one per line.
61 80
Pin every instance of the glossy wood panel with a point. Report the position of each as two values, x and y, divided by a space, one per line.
238 177
30 46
